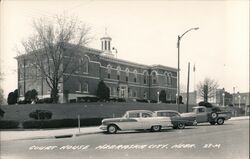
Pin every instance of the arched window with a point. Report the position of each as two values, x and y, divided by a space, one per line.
145 77
127 74
84 65
118 72
169 79
154 77
135 76
109 71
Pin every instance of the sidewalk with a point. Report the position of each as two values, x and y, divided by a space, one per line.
46 134
59 133
240 118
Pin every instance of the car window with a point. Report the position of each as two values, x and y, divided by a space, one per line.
201 110
163 114
174 114
134 115
146 115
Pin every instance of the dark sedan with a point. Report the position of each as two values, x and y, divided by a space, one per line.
178 121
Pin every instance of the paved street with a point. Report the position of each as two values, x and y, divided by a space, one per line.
205 141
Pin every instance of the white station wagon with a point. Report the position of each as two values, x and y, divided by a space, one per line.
136 120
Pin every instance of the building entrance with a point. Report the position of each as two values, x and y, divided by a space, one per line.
123 93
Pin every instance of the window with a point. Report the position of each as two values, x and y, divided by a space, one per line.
84 65
145 95
169 79
135 76
134 115
146 115
109 71
118 72
127 74
145 77
201 110
85 87
174 114
154 78
134 94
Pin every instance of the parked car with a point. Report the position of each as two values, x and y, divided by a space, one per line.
178 121
212 115
136 120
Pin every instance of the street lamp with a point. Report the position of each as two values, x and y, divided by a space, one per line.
158 96
176 98
223 100
178 71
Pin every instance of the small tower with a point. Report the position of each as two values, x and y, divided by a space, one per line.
106 44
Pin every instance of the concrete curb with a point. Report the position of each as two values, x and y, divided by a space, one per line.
57 136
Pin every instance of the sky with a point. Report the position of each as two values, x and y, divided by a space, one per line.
146 32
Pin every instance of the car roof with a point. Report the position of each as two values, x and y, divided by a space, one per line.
172 111
143 111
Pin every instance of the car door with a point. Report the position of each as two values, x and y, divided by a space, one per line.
146 120
131 121
201 115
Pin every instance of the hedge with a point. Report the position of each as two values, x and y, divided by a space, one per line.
61 123
8 124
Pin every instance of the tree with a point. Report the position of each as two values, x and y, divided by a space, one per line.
51 42
207 89
102 91
31 95
162 96
12 97
1 90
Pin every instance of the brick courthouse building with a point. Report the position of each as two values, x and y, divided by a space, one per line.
125 79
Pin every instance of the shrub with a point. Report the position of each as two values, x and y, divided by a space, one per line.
31 95
40 114
103 91
12 97
142 100
8 124
61 123
121 100
153 101
45 100
87 99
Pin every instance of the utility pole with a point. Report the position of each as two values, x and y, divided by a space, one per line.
188 86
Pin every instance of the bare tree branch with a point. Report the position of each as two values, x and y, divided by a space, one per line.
51 42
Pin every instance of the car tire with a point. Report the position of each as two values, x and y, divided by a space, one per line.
214 115
181 125
112 129
156 128
212 122
175 127
220 121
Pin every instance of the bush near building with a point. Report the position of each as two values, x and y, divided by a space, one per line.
40 114
12 97
8 124
61 123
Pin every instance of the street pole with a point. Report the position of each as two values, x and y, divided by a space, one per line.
188 86
178 69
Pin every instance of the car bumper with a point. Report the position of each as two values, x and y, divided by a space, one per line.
103 127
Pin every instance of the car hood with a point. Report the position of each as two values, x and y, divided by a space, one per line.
188 114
